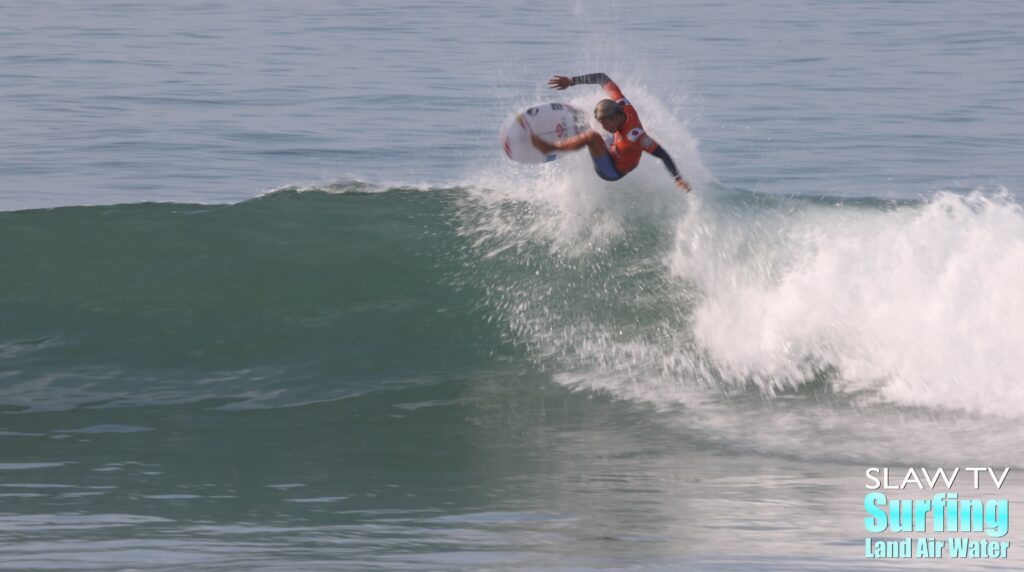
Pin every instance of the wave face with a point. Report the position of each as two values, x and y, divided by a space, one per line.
281 299
714 304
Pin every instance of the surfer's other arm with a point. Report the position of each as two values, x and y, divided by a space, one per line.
648 144
671 166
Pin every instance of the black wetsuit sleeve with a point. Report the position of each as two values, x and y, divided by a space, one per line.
663 155
591 78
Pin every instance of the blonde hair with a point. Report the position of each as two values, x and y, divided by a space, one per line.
607 108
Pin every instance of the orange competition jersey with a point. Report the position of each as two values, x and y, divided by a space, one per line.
630 141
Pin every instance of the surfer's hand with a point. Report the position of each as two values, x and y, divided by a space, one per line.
542 145
559 82
682 184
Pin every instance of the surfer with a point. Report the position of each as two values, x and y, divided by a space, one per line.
622 154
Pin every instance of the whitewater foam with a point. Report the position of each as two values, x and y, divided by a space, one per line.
920 302
914 304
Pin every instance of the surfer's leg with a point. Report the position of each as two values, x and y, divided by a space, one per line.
605 168
592 140
589 139
603 163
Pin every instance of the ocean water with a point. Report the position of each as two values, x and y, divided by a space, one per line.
271 296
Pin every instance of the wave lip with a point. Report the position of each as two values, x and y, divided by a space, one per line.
920 302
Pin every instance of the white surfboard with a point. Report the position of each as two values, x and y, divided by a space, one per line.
549 121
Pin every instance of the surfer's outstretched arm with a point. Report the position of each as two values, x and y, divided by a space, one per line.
561 82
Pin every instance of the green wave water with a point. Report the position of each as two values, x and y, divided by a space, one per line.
286 297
